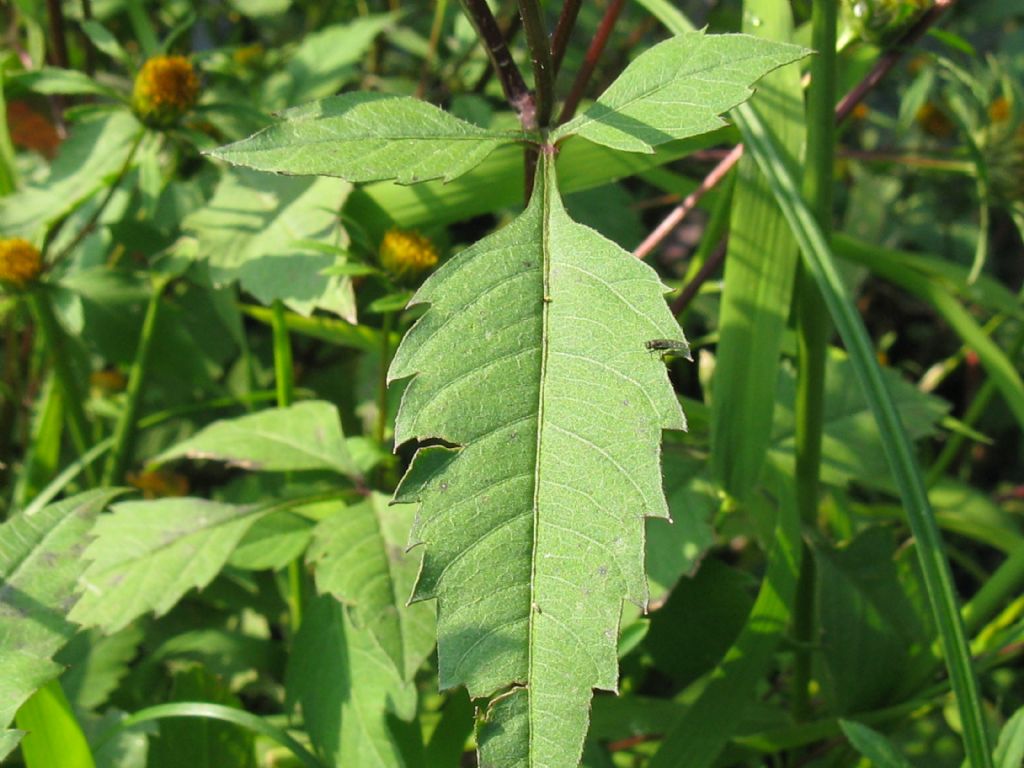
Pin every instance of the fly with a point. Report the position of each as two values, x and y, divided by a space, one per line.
669 347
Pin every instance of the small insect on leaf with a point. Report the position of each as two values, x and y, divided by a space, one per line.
669 347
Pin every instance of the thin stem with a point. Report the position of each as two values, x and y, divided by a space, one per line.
813 328
387 324
692 288
843 110
511 79
284 383
563 29
53 342
90 49
440 7
593 55
540 54
680 212
284 370
55 14
124 431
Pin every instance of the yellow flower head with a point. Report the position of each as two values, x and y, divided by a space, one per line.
404 253
159 483
20 261
165 89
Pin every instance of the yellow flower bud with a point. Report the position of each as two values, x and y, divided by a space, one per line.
165 89
20 261
404 253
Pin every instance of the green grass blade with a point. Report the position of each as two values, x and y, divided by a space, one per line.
898 449
54 738
238 717
758 282
992 358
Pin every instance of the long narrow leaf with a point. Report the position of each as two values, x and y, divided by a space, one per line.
899 451
992 358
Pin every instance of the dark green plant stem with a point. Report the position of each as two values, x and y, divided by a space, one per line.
55 15
53 342
95 217
540 54
563 30
511 79
284 383
284 371
440 6
90 50
593 55
813 328
381 427
124 430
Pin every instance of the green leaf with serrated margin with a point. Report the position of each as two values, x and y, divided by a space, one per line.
532 360
254 230
350 693
358 553
304 436
368 137
147 554
677 89
40 562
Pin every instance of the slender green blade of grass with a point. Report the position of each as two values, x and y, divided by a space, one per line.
238 717
899 451
54 739
992 358
758 282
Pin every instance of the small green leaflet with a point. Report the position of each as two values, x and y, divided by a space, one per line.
369 137
534 527
677 89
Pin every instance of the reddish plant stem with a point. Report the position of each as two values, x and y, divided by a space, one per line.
511 79
597 46
692 288
509 27
536 32
843 110
680 212
560 40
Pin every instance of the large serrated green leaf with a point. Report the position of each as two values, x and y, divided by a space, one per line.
358 557
677 89
40 561
533 361
369 137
